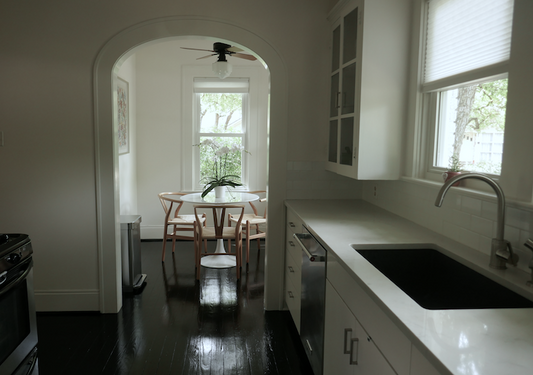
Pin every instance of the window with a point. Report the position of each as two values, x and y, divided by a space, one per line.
465 81
220 127
250 83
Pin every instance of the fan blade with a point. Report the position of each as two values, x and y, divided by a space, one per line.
197 49
205 57
234 49
244 56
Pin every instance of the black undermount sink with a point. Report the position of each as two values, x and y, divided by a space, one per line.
437 282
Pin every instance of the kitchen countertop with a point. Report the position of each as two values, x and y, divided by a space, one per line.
466 342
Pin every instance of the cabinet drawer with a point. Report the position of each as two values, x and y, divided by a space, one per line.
292 249
386 335
294 223
293 298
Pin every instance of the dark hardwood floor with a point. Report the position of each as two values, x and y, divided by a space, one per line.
177 326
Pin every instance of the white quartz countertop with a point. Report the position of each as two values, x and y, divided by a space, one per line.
469 342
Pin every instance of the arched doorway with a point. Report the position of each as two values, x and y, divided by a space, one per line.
106 155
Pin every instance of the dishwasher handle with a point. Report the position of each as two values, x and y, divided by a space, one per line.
313 258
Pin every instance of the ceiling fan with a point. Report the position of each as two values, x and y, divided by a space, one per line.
222 67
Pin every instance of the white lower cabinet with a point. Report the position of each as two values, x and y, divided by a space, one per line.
348 349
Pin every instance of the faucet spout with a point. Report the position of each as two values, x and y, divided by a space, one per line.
501 251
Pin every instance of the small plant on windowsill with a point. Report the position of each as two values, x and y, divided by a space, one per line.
223 162
454 168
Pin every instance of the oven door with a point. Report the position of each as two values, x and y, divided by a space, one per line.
18 322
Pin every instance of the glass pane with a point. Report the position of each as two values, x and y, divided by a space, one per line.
471 126
346 146
220 156
348 89
336 49
220 113
350 37
333 131
334 98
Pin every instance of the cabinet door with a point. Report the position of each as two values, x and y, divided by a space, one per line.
348 347
340 323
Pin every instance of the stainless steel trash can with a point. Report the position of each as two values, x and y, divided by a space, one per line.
130 238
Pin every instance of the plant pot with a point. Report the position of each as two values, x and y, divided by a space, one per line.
220 192
449 175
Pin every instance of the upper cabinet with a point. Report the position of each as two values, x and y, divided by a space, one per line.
368 99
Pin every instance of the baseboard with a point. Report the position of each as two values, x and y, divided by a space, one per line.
67 300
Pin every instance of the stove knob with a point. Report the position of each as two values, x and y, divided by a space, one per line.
13 258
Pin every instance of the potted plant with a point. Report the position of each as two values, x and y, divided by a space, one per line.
222 160
454 168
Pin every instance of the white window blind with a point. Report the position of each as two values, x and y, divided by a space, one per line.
463 35
228 85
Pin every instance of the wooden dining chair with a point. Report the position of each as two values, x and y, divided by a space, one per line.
251 222
182 226
218 232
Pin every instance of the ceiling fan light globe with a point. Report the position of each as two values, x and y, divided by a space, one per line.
222 69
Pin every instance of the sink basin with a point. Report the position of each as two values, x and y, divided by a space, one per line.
438 282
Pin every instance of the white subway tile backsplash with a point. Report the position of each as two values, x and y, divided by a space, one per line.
517 218
481 226
471 205
461 218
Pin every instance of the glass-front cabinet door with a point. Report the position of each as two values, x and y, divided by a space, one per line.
343 98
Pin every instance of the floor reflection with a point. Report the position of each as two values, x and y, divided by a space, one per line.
178 325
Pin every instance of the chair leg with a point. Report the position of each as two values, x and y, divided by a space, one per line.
248 234
164 243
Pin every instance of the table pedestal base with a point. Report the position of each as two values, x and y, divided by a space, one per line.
219 261
216 261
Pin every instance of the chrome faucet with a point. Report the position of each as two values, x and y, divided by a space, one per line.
501 251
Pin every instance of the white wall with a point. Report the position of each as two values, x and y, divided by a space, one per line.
128 162
48 111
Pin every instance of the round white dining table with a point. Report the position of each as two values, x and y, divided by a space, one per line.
214 261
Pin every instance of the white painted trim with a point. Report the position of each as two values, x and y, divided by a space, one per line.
106 65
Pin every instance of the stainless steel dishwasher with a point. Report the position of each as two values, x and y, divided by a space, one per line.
313 298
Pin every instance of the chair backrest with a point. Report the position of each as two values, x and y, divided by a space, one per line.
168 200
256 213
219 220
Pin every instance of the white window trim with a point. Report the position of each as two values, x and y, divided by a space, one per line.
426 109
244 135
255 167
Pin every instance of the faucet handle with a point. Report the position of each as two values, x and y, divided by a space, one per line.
513 258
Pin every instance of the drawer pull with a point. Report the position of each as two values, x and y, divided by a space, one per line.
291 243
352 351
291 269
347 340
290 294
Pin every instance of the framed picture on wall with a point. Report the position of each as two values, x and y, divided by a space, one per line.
123 108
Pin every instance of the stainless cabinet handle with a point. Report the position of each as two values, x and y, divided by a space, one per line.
309 346
346 340
352 351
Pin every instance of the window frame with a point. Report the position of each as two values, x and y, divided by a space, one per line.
428 104
243 135
255 168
